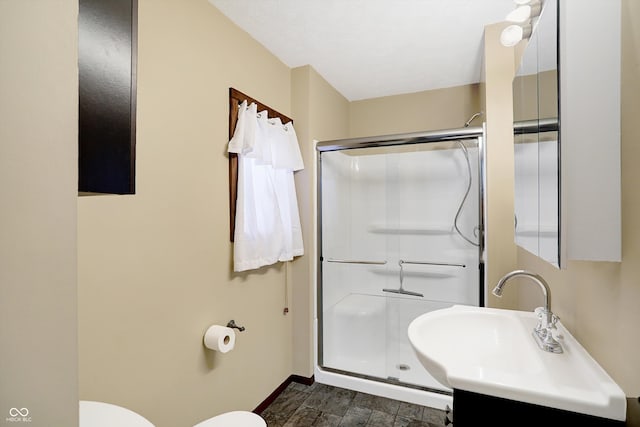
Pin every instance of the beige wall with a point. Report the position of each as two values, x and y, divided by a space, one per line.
38 172
155 268
528 104
447 108
598 301
321 113
500 246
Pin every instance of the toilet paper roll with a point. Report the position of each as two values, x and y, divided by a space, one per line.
220 338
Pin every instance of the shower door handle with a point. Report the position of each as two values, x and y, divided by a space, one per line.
354 261
443 264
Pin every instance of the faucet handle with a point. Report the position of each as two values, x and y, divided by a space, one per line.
541 314
553 329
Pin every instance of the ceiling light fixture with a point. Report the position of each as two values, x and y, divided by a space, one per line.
521 19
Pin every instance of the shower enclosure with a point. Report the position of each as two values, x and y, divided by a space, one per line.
400 233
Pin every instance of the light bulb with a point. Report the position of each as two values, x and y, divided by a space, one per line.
513 34
523 13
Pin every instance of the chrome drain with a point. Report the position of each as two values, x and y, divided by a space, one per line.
403 367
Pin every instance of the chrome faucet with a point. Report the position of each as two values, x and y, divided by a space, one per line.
543 332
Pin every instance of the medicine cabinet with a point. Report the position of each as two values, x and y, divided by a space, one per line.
567 134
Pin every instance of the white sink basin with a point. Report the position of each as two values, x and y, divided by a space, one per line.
491 351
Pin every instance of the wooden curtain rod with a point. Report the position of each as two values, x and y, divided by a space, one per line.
236 97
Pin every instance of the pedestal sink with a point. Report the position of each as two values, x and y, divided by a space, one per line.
491 351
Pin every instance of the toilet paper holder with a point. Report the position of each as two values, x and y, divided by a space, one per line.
232 324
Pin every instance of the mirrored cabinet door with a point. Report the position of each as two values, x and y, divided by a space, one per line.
536 147
548 135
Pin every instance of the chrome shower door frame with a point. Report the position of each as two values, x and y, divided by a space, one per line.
462 134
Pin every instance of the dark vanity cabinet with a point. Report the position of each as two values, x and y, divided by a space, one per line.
107 96
474 409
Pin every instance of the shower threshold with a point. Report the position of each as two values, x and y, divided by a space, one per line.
385 387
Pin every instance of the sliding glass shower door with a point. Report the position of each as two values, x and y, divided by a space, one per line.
400 230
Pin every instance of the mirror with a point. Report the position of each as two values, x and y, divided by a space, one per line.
536 138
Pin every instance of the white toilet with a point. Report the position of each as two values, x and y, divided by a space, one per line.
234 419
101 414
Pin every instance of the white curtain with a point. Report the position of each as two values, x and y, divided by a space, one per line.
267 228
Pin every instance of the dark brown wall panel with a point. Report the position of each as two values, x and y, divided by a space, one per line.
107 75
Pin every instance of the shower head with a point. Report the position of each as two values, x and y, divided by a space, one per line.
468 122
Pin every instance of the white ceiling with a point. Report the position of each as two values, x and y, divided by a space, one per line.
371 48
